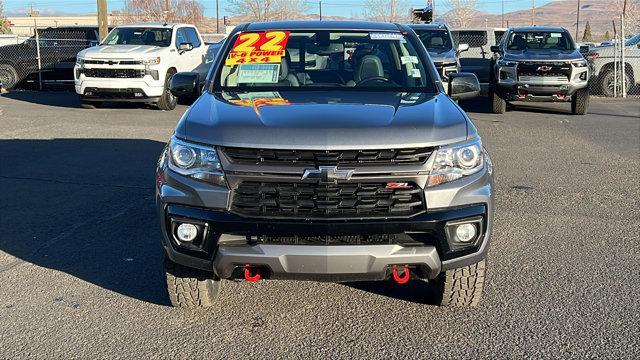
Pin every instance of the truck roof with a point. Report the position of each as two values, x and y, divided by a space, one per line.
427 26
537 28
322 25
154 25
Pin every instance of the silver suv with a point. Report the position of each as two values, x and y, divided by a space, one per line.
440 45
359 169
540 63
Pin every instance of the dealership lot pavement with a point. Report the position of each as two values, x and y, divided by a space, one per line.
80 256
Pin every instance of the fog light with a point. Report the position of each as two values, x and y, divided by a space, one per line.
187 232
466 232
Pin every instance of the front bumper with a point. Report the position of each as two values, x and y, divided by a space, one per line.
231 244
537 88
144 89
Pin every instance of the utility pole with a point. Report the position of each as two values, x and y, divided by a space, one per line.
533 12
320 5
166 9
217 19
103 19
578 20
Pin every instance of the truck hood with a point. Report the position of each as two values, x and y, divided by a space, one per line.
321 120
543 55
443 57
119 51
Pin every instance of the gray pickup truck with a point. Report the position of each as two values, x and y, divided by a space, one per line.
346 163
538 63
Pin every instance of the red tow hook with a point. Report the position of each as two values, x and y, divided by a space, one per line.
405 275
247 274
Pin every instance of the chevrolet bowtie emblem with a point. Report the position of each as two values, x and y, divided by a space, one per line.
327 174
544 68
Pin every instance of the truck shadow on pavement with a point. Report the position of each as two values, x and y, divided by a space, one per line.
65 99
416 291
84 207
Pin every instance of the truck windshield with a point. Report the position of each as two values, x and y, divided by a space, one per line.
139 36
338 59
546 40
435 40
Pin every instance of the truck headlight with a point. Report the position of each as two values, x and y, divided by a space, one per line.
506 63
152 61
195 161
453 162
580 63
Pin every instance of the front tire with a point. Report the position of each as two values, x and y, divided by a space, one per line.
190 288
167 100
608 83
580 102
461 287
497 102
8 76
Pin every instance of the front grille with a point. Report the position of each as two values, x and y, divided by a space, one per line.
113 62
114 73
327 157
551 69
314 200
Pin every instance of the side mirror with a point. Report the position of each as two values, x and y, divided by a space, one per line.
463 86
495 48
584 49
463 47
184 47
184 84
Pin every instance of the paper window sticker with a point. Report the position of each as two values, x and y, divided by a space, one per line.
409 60
258 73
386 36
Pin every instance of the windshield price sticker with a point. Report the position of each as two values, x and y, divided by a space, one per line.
409 60
258 48
386 36
258 73
556 35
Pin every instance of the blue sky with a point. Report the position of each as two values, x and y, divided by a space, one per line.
329 7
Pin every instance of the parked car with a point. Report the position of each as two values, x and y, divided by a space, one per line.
603 61
440 45
539 63
366 170
58 47
477 59
135 62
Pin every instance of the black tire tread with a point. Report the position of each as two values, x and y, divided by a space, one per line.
580 102
462 287
163 102
190 288
498 103
14 73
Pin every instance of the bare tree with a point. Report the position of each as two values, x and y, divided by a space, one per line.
4 24
187 11
267 10
461 13
387 10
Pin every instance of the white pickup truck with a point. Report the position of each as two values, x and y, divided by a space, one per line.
136 62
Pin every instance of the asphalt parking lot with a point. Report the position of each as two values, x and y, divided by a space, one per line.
81 262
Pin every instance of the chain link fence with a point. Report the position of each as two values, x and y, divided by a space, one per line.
45 57
611 76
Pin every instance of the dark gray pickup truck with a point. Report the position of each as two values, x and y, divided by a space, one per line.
538 63
348 163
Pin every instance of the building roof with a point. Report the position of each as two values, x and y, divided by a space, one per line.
322 25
